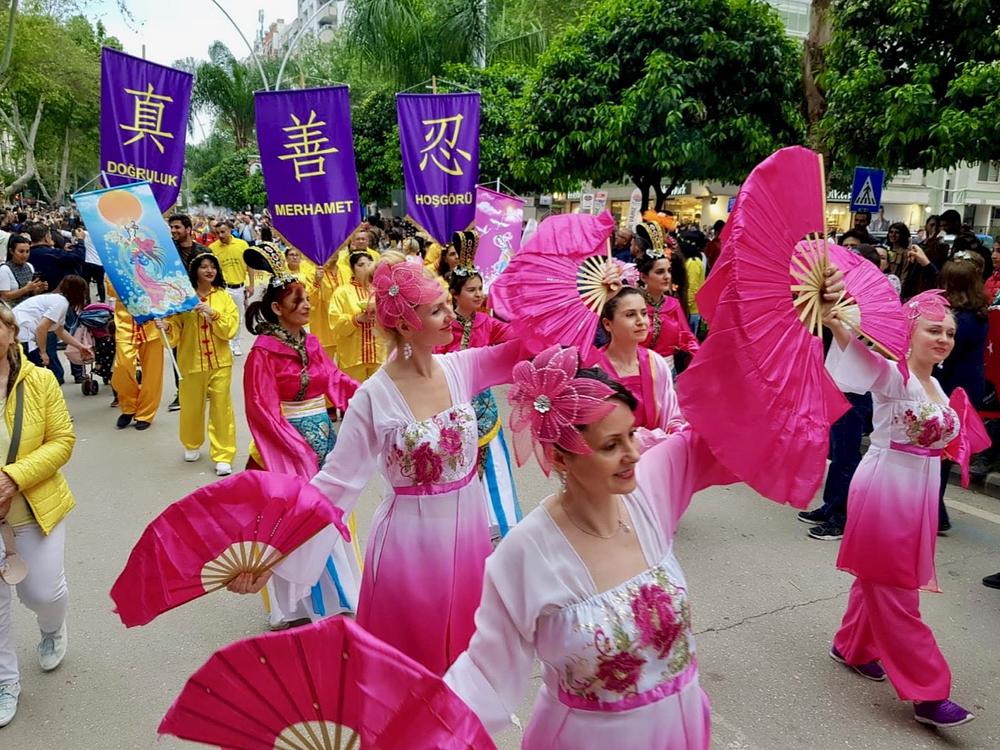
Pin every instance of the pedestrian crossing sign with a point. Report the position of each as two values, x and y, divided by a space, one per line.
866 193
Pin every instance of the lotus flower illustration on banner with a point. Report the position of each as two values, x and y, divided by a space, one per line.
137 251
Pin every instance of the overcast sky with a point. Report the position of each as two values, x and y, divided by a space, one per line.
172 29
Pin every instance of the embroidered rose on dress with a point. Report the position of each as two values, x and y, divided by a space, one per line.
655 619
451 441
929 427
620 672
427 465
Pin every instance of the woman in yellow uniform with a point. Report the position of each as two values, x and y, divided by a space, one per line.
360 352
302 268
320 294
206 363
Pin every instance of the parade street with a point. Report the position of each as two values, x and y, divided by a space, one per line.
766 601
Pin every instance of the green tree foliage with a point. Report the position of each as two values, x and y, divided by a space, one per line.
913 83
661 90
376 146
404 42
230 184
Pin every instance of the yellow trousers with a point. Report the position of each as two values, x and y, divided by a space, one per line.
194 388
143 400
361 372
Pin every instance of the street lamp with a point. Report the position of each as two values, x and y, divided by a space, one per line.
253 54
295 40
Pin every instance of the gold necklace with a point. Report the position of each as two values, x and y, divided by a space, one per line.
622 526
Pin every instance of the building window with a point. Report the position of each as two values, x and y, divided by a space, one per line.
989 171
947 191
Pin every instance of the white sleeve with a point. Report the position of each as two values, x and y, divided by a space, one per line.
7 281
493 674
57 309
857 369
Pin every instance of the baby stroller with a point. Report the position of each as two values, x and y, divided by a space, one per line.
96 330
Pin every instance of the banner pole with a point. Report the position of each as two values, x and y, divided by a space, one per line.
173 359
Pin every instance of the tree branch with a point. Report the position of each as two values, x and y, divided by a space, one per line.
9 45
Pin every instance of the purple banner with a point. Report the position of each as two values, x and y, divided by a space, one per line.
498 221
439 140
144 117
307 155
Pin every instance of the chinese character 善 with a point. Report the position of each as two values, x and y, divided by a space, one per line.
442 135
306 141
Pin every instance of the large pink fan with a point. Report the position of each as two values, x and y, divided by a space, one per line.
553 289
328 686
760 365
247 523
971 439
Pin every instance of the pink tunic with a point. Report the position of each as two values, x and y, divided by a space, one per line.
892 506
669 331
486 331
271 376
429 539
619 667
653 387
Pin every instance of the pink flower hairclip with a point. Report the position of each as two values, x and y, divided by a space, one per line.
932 304
399 288
548 401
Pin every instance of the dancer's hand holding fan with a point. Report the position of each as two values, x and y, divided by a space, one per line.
236 529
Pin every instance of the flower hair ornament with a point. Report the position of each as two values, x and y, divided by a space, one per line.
399 288
466 244
548 401
266 257
932 304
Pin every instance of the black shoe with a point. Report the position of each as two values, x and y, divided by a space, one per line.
827 532
141 424
175 405
992 581
114 404
124 421
944 527
979 467
813 517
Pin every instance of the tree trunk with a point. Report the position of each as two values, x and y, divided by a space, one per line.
813 65
12 118
9 44
643 184
64 172
43 190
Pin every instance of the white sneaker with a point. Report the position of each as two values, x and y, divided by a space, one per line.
192 456
8 701
237 352
52 649
222 469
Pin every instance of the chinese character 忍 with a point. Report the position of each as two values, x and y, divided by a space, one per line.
442 135
148 117
305 141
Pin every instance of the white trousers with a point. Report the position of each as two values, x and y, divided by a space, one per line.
43 591
241 305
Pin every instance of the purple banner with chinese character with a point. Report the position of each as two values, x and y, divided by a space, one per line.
439 140
307 155
144 118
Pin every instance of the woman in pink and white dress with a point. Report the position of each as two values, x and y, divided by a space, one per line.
413 422
892 517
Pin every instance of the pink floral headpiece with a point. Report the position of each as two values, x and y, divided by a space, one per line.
932 305
399 288
548 401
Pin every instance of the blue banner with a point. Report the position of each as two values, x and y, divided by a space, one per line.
137 251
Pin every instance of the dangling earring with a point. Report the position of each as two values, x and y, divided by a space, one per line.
562 480
407 351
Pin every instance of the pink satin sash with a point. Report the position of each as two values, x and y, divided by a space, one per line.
645 698
916 450
435 489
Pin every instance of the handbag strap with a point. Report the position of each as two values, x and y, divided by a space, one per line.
15 435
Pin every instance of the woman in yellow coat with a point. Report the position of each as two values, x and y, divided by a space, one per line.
302 268
360 352
320 293
205 360
34 500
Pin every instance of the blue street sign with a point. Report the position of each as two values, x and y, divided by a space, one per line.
732 202
866 194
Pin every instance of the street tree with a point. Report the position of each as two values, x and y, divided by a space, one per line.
661 92
919 88
231 184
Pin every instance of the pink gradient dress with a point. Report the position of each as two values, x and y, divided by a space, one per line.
653 387
892 514
619 667
669 331
429 539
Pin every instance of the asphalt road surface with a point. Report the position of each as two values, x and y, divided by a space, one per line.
766 601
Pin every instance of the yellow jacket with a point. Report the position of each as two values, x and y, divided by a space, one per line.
344 273
696 277
306 275
356 344
320 323
130 332
234 268
203 346
47 441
